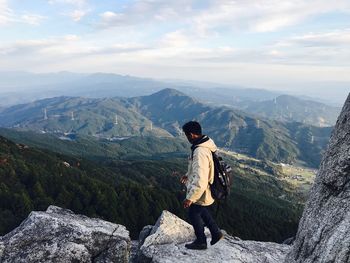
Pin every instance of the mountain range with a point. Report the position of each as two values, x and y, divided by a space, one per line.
161 114
24 87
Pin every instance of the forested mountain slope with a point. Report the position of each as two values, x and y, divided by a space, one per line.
133 193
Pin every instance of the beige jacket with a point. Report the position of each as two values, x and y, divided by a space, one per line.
200 174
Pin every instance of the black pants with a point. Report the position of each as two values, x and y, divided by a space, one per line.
199 217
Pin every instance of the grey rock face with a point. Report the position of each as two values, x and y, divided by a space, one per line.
59 235
166 243
145 232
1 249
324 230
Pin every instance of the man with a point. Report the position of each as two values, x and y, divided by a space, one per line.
197 179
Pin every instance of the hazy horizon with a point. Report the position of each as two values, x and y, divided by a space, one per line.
26 81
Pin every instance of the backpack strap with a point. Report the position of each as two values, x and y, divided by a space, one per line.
197 143
192 150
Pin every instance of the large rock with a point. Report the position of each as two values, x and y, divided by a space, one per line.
324 230
166 243
59 235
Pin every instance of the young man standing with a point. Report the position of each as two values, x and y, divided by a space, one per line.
197 179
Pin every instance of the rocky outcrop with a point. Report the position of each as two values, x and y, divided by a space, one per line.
324 230
59 235
166 243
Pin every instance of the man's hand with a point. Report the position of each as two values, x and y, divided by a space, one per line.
187 203
175 173
184 179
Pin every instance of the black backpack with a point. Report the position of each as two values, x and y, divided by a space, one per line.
220 188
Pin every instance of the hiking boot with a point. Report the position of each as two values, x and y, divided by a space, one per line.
196 245
215 239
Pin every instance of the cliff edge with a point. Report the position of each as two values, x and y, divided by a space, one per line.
324 229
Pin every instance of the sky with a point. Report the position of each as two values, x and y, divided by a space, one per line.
272 44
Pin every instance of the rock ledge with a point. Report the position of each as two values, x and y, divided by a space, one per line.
166 243
59 235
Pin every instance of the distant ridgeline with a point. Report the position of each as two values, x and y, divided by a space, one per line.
162 115
263 206
291 109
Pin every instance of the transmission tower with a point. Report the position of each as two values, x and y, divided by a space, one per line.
116 119
45 114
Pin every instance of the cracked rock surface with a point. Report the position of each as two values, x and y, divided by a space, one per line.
324 230
166 243
59 235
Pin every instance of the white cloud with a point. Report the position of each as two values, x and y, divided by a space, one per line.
27 47
81 8
333 38
322 48
64 47
6 14
110 19
254 15
70 2
148 12
71 38
32 19
77 15
175 39
327 48
264 15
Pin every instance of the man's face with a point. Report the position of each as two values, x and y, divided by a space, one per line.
189 137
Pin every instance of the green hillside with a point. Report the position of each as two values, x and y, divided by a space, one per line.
99 117
134 192
89 147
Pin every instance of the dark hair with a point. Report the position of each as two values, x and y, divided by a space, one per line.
192 127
